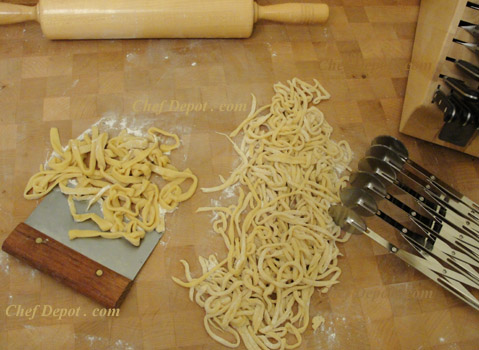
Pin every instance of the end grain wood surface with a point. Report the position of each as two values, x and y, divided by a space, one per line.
361 56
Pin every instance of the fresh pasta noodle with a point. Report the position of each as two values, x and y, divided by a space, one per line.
118 173
280 239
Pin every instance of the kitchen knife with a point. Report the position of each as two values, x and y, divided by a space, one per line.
460 129
461 88
472 5
471 46
470 69
445 105
471 28
102 269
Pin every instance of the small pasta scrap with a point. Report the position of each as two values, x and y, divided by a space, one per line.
280 240
118 173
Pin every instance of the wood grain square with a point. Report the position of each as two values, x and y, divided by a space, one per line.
35 67
464 319
92 333
52 337
383 88
411 331
8 137
83 107
382 335
137 79
303 51
375 303
154 296
110 61
394 270
126 333
60 86
84 84
385 30
394 14
360 247
56 108
371 48
188 331
85 64
365 271
34 88
60 65
440 328
29 110
10 48
153 338
110 82
360 89
110 103
356 14
299 33
14 322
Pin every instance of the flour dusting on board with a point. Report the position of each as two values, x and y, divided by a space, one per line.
95 342
4 263
122 345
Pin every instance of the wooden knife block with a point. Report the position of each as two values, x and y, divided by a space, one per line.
437 26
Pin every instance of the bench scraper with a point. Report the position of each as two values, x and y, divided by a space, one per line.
102 269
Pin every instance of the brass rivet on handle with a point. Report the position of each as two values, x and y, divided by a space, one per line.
38 240
99 272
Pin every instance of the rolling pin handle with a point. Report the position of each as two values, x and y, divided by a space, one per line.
11 13
298 13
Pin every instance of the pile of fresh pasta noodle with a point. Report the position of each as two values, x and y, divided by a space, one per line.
118 173
280 239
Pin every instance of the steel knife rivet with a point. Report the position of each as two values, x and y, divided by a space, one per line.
444 271
404 230
468 222
461 236
394 249
413 213
388 197
38 240
453 252
428 187
421 199
433 177
99 272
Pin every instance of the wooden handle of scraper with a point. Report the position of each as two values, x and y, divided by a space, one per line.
128 19
71 268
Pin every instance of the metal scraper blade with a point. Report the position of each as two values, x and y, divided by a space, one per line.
52 217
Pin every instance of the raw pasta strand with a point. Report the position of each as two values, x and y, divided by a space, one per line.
281 242
118 173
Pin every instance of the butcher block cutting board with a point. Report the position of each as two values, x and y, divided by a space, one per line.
361 57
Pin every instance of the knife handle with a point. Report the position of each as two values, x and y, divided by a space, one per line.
67 266
445 105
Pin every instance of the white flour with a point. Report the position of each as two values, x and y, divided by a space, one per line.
123 345
229 192
4 263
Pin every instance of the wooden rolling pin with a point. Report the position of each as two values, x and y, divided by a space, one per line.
128 19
